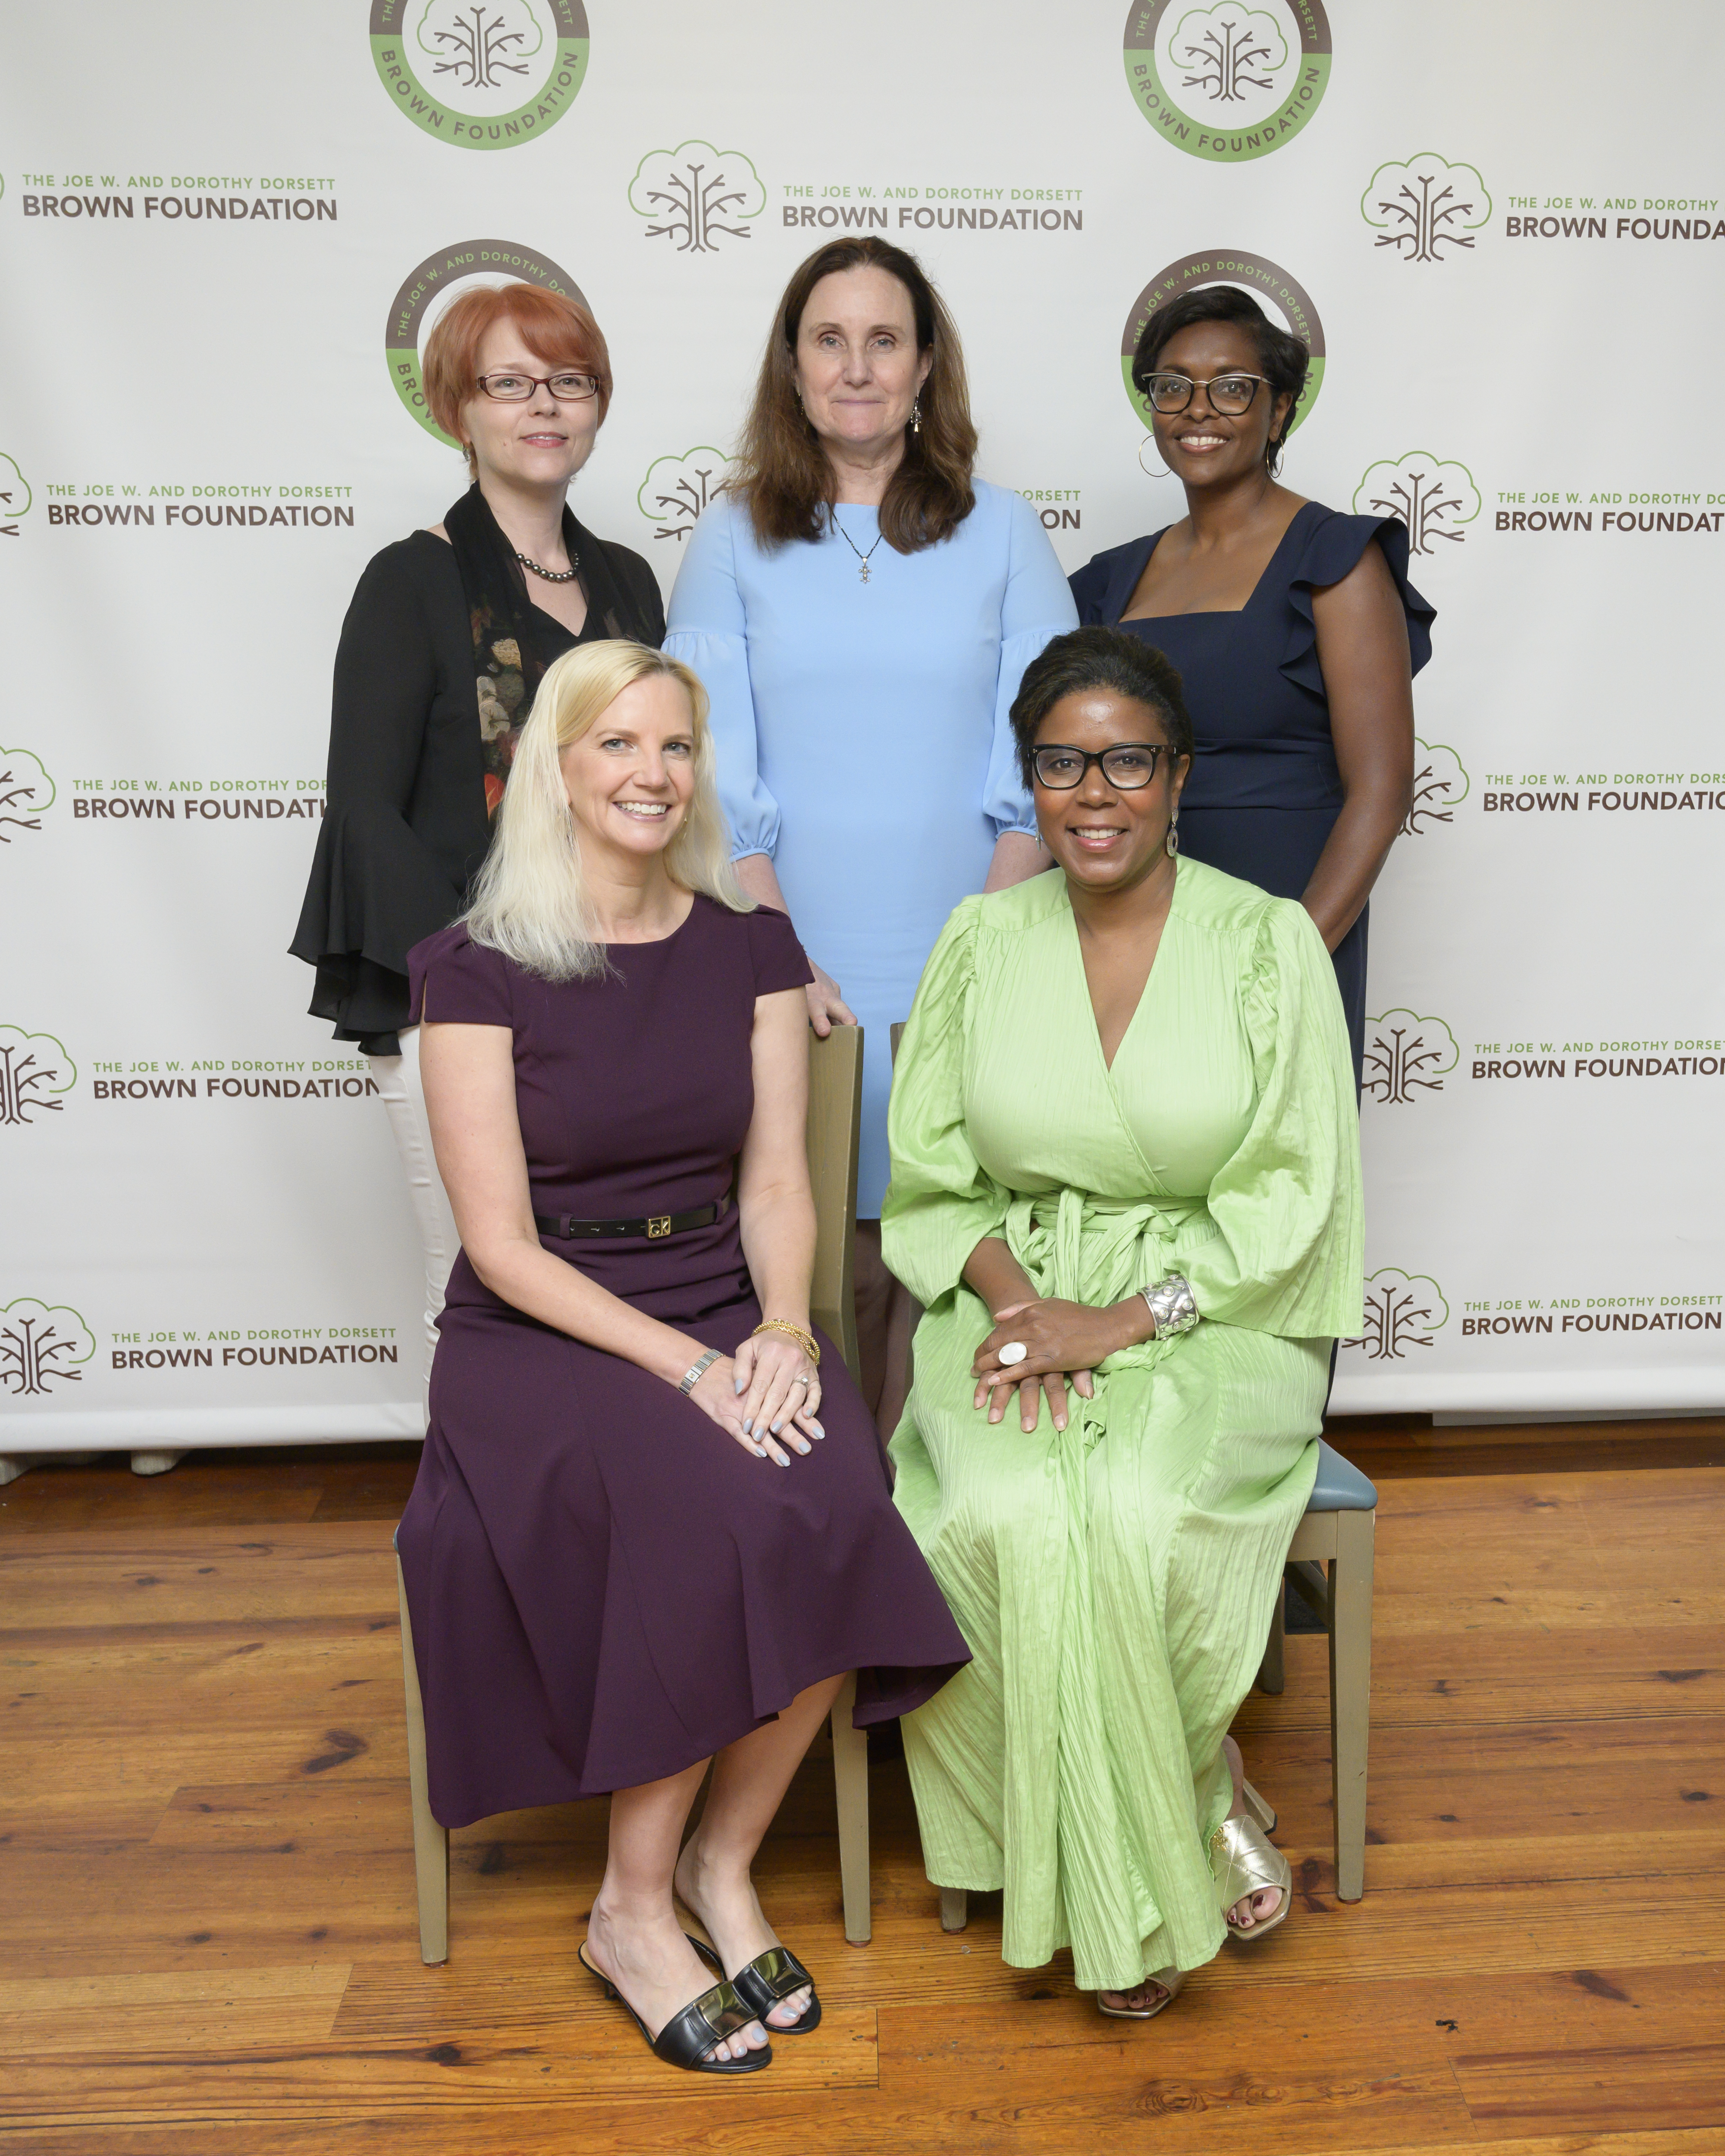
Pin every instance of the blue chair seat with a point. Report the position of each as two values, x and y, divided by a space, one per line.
1340 1486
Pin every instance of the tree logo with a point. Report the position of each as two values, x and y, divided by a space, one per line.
677 488
26 793
41 1347
1223 265
1402 1311
696 195
15 496
1433 499
1407 1056
1423 207
484 75
1440 782
425 292
34 1071
1229 82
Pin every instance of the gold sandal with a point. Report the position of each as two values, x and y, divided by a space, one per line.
1243 1863
1170 1979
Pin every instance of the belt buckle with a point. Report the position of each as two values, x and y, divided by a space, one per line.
659 1226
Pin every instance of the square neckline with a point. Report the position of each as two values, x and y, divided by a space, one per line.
1224 613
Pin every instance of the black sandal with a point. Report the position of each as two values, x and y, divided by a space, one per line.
694 2029
768 1978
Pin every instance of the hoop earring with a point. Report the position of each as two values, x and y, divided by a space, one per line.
1172 842
1162 473
917 413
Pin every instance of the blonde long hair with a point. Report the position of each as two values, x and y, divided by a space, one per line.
530 899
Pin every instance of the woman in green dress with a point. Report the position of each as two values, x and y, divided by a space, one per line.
1126 1188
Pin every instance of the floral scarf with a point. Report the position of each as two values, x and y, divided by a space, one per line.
513 642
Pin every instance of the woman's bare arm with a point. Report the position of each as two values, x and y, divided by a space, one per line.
1363 649
469 1073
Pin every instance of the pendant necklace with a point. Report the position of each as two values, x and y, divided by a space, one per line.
855 548
556 576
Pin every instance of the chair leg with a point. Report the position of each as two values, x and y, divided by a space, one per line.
1272 1677
850 1777
1351 1693
955 1908
431 1842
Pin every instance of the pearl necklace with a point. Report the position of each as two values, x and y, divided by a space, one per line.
552 575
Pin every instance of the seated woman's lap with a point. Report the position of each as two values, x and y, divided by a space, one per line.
567 1497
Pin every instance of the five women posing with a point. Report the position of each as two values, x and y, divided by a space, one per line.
651 1530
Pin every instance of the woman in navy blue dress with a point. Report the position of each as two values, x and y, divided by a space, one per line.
1296 631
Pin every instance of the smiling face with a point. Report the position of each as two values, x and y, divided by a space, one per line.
1204 447
1106 837
541 443
858 366
629 778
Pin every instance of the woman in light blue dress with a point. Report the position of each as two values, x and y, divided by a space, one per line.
860 609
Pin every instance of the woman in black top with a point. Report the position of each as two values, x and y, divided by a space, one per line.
444 644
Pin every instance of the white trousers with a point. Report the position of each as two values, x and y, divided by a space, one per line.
397 1080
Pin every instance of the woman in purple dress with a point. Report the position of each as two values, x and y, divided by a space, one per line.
651 1527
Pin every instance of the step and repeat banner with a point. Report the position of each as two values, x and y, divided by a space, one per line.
223 237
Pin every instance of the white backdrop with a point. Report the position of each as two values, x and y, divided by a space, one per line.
222 245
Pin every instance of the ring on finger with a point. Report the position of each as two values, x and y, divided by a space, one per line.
1012 1352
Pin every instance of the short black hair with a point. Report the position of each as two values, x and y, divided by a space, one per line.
1284 359
1098 658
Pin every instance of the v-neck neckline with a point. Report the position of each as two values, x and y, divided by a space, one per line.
1107 1062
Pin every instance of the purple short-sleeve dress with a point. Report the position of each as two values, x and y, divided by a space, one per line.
603 1586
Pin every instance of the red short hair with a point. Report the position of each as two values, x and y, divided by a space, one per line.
555 329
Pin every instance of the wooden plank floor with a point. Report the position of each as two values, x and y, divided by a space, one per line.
206 1941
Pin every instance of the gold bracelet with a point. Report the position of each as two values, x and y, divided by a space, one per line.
805 1340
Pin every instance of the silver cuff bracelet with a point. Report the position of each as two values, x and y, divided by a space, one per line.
697 1369
1171 1305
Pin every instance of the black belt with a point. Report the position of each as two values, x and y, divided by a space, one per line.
654 1227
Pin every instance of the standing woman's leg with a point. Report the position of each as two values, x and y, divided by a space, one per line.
397 1080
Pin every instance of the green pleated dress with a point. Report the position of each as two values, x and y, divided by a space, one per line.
1115 1580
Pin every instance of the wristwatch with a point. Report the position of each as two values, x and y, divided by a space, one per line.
1171 1305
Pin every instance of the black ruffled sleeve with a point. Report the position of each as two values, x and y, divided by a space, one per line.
376 885
1334 549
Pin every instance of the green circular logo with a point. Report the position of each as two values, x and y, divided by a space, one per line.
484 75
424 290
1229 82
1265 279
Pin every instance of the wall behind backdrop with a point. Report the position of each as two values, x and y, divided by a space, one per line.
222 239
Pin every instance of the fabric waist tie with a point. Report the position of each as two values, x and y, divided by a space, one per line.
1098 1250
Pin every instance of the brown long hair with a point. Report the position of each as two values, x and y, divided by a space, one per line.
782 473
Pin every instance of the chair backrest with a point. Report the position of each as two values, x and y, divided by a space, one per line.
834 1119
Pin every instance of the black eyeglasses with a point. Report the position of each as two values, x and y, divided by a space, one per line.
1127 765
1230 394
517 388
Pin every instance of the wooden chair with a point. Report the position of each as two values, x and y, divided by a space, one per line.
1330 1568
835 1113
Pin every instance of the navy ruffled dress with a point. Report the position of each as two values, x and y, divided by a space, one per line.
1265 792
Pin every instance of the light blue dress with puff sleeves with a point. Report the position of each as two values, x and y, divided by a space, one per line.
862 733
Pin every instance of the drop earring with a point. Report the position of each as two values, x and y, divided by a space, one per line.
916 415
1172 842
